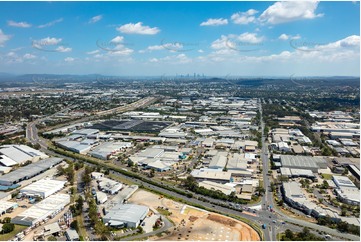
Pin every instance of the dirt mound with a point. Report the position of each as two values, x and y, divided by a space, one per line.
192 218
222 220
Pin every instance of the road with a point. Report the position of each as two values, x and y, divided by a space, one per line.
261 217
267 199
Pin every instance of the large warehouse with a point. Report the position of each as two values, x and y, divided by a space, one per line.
126 215
303 162
21 153
43 188
29 171
48 207
6 206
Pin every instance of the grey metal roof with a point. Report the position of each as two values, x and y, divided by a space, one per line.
29 170
301 161
126 213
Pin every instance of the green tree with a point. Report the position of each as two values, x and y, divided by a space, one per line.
6 220
52 238
74 225
289 234
7 228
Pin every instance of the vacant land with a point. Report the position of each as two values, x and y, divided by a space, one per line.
195 224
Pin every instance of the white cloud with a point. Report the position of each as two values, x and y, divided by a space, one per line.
69 59
200 51
28 56
283 12
48 41
214 22
138 28
95 19
93 52
63 49
286 37
283 37
50 23
19 24
250 38
172 47
3 38
244 17
153 60
117 40
172 59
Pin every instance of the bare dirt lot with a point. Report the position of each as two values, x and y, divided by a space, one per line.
195 224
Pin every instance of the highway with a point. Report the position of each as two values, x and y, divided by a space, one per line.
272 220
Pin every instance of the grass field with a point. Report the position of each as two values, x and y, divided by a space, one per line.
327 176
17 229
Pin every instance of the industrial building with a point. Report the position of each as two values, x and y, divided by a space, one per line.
216 175
126 215
219 161
303 162
20 154
107 149
46 208
294 196
6 207
297 173
96 175
71 235
42 188
238 162
75 146
346 190
217 187
109 186
29 171
101 197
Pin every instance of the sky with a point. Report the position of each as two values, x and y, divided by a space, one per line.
173 38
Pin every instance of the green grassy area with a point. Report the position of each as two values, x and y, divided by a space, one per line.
8 236
279 236
164 211
122 180
326 176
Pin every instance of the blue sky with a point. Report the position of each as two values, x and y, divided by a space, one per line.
168 38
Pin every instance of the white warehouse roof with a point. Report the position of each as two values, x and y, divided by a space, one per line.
40 211
43 188
126 213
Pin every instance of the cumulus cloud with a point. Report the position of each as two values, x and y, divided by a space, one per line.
138 28
50 23
3 38
244 17
173 59
19 24
287 37
63 49
283 12
69 59
214 22
117 40
93 52
28 56
95 19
